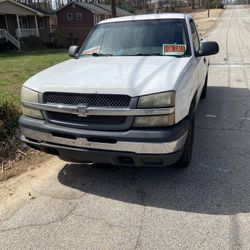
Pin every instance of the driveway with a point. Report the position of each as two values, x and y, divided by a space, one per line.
206 206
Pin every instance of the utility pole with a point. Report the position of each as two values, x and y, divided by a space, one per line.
113 7
208 8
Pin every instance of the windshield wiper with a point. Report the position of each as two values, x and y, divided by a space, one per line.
138 54
148 54
97 54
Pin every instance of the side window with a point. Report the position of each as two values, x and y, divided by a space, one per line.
79 16
195 37
69 16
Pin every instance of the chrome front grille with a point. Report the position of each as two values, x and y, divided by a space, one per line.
91 100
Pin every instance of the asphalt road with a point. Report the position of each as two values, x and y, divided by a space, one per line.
206 206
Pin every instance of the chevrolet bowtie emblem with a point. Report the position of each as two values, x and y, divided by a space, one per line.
82 110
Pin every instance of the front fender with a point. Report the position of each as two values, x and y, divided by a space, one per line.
186 90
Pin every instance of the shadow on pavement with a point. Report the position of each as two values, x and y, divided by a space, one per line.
217 181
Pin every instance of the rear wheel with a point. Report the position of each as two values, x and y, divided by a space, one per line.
186 156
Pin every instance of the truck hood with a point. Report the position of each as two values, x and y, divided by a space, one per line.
134 76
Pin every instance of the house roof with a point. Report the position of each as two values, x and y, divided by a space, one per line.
119 11
91 7
98 8
25 7
44 12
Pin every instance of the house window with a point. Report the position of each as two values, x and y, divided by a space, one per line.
24 22
79 16
69 16
41 22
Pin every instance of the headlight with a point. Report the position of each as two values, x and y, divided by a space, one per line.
161 100
30 96
154 121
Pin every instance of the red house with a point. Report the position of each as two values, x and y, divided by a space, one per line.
75 20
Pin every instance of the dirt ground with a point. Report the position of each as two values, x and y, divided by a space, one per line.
22 163
204 22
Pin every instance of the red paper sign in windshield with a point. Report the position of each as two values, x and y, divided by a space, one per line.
91 50
174 49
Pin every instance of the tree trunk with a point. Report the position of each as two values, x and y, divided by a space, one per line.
113 7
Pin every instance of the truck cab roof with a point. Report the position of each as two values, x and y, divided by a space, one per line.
147 17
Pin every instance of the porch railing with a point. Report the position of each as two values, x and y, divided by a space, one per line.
5 34
13 40
2 33
26 32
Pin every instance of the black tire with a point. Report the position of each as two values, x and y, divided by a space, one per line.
186 156
204 91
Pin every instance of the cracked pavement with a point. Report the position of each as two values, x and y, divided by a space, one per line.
206 206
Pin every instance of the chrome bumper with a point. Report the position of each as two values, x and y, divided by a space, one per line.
122 146
84 111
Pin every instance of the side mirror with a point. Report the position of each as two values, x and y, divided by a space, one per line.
73 51
208 49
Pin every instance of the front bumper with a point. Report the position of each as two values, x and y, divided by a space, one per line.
135 146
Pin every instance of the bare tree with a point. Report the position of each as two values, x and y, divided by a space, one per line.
113 7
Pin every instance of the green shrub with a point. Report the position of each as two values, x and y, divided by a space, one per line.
32 42
72 39
55 38
9 114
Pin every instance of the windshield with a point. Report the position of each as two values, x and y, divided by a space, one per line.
166 37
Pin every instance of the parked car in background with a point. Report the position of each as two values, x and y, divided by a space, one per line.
128 96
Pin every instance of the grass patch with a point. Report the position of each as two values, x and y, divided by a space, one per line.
15 69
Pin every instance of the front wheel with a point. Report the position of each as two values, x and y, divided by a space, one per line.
186 156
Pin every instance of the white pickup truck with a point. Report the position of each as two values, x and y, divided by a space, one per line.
127 97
